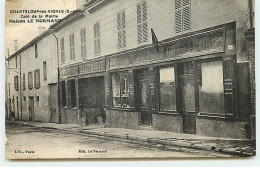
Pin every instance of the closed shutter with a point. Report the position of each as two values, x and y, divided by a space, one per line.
123 31
186 17
178 16
119 30
229 85
144 15
139 24
182 16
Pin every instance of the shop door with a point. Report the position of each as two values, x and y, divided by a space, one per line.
53 104
188 97
31 108
143 97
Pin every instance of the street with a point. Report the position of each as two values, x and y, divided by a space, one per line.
24 142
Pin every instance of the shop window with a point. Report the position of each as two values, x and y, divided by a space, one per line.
37 78
16 83
72 93
44 70
83 43
142 34
182 16
63 94
97 39
167 89
121 31
72 47
24 82
120 89
211 89
30 81
62 50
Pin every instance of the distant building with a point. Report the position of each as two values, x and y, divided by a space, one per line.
183 77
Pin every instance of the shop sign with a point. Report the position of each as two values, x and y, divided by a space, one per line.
92 66
202 44
69 71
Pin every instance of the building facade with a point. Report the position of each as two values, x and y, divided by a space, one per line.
169 65
32 81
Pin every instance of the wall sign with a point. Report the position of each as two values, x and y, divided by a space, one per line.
200 44
92 66
69 71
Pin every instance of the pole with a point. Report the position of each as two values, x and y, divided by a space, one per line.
58 80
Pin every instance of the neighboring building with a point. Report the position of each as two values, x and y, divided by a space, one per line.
33 95
112 66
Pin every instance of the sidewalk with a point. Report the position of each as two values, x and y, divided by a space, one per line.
243 148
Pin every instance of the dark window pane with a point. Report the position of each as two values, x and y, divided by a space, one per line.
167 89
116 90
211 90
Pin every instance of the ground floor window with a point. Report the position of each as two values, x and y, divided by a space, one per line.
120 90
211 89
167 89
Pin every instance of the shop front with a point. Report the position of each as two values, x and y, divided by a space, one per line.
82 93
188 86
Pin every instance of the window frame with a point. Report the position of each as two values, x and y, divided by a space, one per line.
45 70
72 46
36 50
176 89
37 83
97 40
30 80
181 9
142 20
121 30
83 47
120 90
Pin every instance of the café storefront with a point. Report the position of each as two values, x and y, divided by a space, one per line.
82 92
188 86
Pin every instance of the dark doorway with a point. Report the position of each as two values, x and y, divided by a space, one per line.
92 99
53 104
143 97
186 71
31 108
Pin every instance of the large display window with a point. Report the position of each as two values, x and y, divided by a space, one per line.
120 90
167 89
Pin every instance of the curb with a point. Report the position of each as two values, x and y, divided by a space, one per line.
155 142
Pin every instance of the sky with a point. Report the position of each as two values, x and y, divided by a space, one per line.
25 32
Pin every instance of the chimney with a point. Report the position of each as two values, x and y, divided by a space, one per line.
41 30
15 45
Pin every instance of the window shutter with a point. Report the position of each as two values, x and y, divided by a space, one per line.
178 21
139 21
186 15
144 16
229 87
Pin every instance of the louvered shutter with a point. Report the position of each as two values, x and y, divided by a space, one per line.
178 16
186 15
144 16
139 24
119 30
123 42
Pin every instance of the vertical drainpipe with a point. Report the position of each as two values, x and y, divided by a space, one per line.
58 80
21 106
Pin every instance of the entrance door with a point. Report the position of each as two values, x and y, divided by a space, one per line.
53 104
188 97
143 97
31 108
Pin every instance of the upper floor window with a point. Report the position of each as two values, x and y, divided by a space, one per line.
24 81
72 47
36 50
30 80
182 16
121 30
62 50
83 43
142 22
97 39
37 78
16 83
44 70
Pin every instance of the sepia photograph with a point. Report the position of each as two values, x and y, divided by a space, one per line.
130 79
